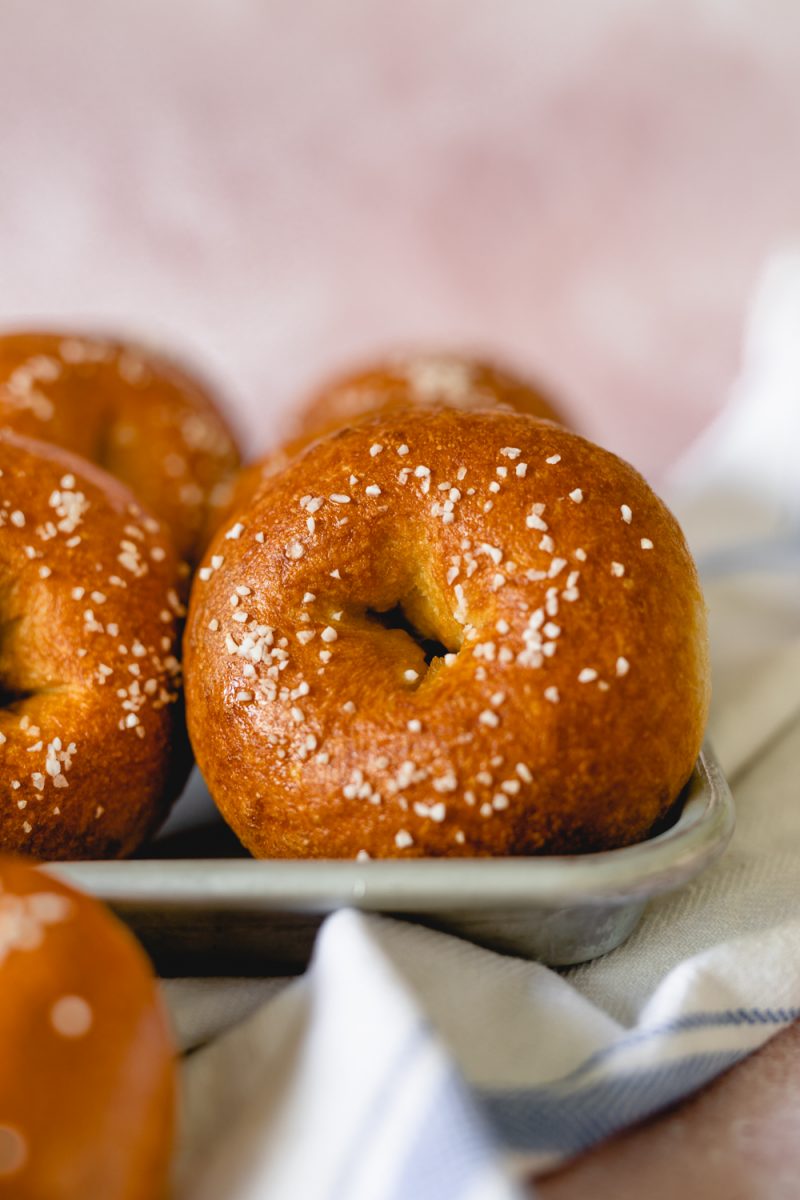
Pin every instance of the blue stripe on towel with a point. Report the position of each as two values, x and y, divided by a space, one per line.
726 1019
565 1117
449 1144
544 1120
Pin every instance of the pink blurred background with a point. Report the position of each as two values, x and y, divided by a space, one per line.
278 189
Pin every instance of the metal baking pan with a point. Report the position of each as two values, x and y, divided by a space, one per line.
238 915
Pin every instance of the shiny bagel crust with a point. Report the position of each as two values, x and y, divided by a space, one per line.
92 740
400 381
87 1081
133 412
570 707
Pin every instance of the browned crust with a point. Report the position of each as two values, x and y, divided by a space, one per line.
306 743
399 381
132 411
87 1079
92 741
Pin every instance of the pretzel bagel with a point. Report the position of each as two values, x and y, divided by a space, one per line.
131 411
401 381
442 632
87 1088
92 748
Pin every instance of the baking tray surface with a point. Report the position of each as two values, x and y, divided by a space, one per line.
238 914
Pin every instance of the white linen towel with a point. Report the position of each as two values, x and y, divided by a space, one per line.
409 1065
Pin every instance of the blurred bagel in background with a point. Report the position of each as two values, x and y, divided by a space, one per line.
399 381
138 414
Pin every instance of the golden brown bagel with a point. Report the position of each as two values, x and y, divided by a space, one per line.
87 1088
131 411
570 708
92 748
402 381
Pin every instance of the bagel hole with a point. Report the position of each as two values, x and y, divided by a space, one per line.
15 685
397 619
9 698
